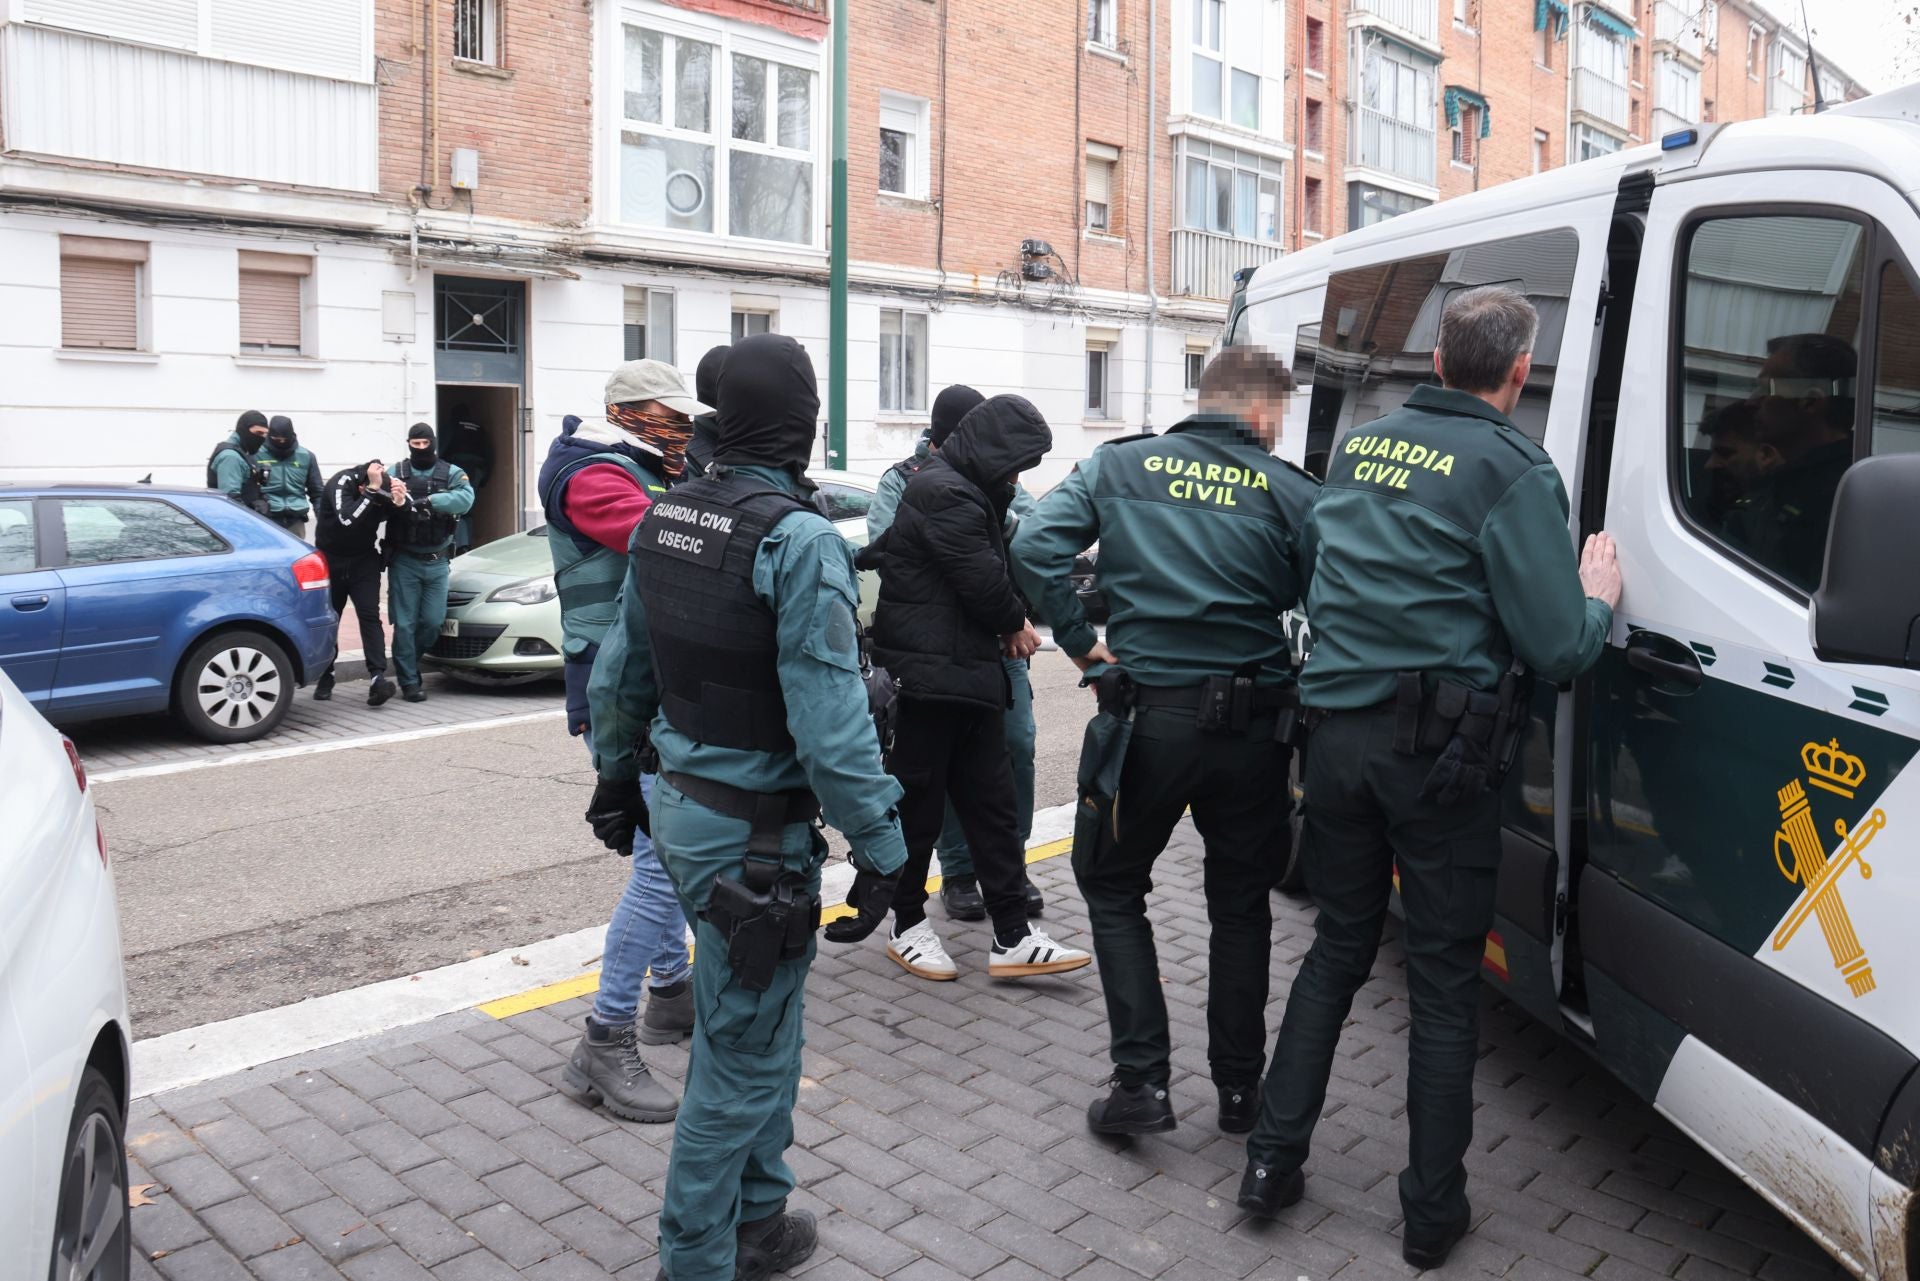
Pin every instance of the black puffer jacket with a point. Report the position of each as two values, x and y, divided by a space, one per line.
946 598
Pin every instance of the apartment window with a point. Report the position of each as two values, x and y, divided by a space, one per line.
1099 378
1313 217
1316 45
1543 46
476 31
1209 67
649 324
1196 365
1394 128
1316 128
1466 136
1706 111
673 171
1463 13
272 298
1246 99
1677 88
1368 204
1542 154
1633 118
903 146
1102 161
1587 142
1756 44
748 323
1100 22
1234 193
903 361
1634 55
1788 90
100 286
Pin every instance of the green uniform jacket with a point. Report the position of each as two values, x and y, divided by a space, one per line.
804 572
1199 551
455 500
230 468
1440 545
293 484
886 495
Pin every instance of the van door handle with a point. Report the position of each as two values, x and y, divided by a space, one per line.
1642 657
27 604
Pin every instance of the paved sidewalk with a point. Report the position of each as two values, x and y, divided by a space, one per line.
940 1135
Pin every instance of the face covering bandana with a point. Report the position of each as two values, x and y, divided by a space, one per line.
659 436
250 443
281 446
423 459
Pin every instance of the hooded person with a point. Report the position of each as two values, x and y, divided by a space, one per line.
432 496
949 407
353 508
706 386
232 467
948 616
734 639
292 485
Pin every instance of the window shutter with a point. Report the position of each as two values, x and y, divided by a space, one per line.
269 309
1099 181
99 303
636 307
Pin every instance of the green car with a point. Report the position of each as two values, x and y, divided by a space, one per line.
503 615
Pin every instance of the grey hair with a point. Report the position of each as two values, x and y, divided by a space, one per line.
1482 332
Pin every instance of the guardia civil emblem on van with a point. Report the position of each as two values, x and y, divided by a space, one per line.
1803 859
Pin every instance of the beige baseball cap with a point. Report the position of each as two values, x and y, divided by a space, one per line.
639 380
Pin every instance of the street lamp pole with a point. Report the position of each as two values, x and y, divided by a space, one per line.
837 251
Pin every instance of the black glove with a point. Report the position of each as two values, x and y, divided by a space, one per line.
871 898
617 808
1460 774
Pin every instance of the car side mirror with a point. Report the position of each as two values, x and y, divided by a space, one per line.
1868 607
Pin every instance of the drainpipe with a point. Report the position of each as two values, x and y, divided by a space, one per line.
837 253
1153 195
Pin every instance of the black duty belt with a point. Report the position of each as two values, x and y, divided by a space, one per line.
1266 698
420 555
798 806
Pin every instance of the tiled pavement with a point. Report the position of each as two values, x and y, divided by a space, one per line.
940 1135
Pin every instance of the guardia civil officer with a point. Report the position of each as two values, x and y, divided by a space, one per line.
1438 554
292 486
234 467
735 641
419 541
1198 544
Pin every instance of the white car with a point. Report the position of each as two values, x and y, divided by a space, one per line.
64 1078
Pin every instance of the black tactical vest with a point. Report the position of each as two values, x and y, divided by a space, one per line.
715 646
421 526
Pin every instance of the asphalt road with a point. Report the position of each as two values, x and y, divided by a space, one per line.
248 886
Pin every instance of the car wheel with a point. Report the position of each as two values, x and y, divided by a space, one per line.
234 687
91 1240
493 680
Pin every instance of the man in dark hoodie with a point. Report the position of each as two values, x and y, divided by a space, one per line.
948 616
353 506
706 427
292 486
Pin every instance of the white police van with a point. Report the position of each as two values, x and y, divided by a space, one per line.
1711 871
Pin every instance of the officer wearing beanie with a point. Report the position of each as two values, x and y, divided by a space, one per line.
293 486
435 494
735 641
959 887
234 468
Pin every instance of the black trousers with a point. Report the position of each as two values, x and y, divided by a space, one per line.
1365 816
958 752
357 578
1236 785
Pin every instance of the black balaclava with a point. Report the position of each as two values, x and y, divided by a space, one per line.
706 376
244 430
949 407
769 405
421 458
281 442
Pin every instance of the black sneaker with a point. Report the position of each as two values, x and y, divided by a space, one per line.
1036 904
1427 1253
413 693
1267 1192
960 895
323 689
1132 1109
777 1243
380 691
1239 1107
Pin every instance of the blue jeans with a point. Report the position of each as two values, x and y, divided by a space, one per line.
648 935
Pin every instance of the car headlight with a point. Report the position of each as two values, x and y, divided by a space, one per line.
534 591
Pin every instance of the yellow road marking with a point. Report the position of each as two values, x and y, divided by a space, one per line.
587 984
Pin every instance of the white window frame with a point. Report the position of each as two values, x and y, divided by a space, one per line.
1785 95
487 14
907 401
1587 142
1190 370
654 347
908 115
1465 139
1756 39
1601 52
1100 153
1210 18
1104 349
1542 155
1102 24
1263 170
300 267
740 321
1415 81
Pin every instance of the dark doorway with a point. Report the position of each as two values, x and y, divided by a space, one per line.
479 331
479 432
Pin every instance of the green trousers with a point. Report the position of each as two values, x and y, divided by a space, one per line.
736 1113
1236 785
956 859
417 605
1365 816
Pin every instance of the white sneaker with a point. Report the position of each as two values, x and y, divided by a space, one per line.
919 953
1034 954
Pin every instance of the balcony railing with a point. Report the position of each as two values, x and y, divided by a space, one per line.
1381 142
1600 97
1415 17
1666 122
1204 261
1679 28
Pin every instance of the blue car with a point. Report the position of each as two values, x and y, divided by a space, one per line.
123 599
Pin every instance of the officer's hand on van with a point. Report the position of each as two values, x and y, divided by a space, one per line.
618 808
1024 643
871 898
1600 569
1098 654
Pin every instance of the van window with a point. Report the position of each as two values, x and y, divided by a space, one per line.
1771 322
1381 323
1896 375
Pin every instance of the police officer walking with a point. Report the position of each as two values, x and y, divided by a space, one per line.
292 487
419 542
1198 533
1428 579
234 467
735 641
